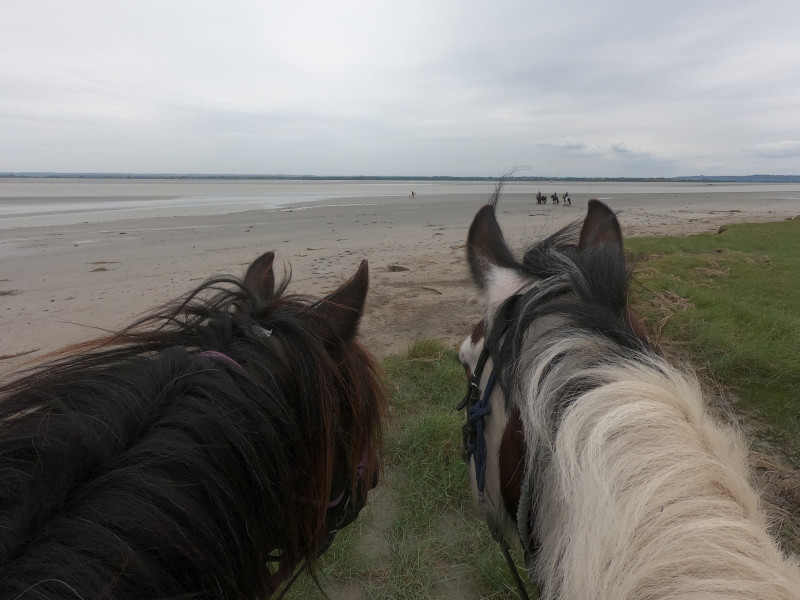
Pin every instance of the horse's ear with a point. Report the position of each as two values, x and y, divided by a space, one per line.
343 308
600 227
486 246
260 278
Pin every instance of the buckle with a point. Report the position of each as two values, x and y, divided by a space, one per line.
471 388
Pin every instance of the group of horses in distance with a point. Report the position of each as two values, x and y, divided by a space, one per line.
213 448
542 198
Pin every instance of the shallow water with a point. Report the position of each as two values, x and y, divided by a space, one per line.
54 202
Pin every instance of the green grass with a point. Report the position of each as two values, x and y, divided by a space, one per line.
729 302
419 536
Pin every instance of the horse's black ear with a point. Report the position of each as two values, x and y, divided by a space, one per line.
486 246
260 278
600 227
344 307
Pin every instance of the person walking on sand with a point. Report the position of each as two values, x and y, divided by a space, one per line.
412 194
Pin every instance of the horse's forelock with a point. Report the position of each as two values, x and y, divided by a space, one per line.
349 384
587 289
367 405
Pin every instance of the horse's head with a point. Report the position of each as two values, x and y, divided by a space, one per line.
601 509
214 444
343 424
506 283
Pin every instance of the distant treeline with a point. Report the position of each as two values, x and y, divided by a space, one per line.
689 178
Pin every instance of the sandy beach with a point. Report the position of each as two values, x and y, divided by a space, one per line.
70 275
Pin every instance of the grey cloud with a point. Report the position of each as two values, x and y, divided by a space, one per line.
783 149
573 148
617 88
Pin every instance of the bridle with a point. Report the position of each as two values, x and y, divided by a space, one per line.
345 512
473 443
478 408
343 504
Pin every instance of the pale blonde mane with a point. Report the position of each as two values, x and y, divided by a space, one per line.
639 493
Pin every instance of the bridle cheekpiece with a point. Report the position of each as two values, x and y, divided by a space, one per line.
478 408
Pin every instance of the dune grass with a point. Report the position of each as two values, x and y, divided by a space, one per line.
729 301
419 536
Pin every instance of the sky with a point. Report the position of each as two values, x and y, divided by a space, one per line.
584 88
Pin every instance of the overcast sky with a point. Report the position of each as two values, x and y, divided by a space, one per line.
411 87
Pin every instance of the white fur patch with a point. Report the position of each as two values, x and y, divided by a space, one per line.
468 353
501 284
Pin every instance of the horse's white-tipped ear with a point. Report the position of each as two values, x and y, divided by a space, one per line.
486 247
344 307
260 277
600 227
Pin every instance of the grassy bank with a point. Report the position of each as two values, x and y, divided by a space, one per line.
419 536
730 302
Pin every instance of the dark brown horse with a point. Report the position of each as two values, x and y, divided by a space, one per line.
203 452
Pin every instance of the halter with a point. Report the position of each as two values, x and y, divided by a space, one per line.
344 498
224 359
473 442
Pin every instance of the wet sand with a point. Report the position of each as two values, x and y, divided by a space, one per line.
65 283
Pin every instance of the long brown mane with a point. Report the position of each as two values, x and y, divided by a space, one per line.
139 465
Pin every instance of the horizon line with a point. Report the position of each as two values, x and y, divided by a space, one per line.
282 176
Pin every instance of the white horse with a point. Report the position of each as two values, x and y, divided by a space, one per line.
625 486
